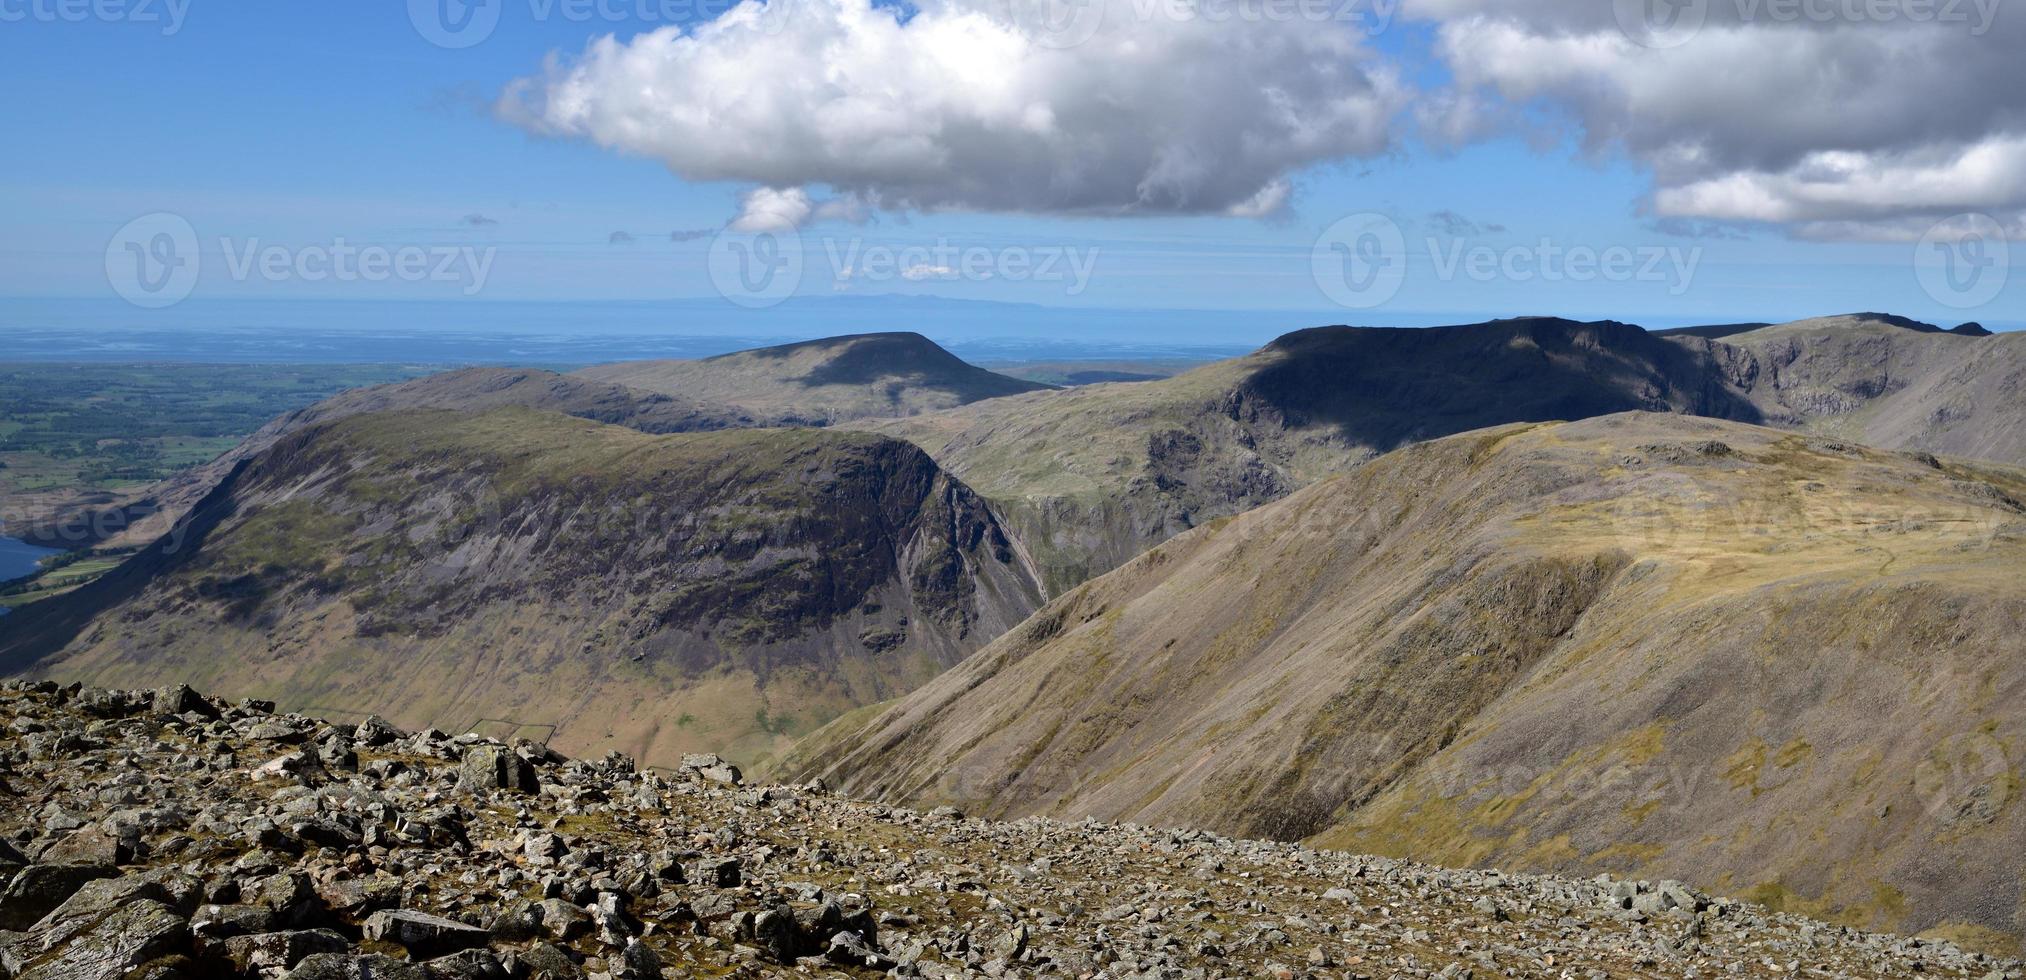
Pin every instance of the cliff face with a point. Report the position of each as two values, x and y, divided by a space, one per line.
542 574
1884 381
1645 644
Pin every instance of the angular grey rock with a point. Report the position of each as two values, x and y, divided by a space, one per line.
272 953
376 731
490 767
710 767
356 897
778 935
290 896
542 958
180 699
564 921
850 949
470 964
720 874
133 935
277 730
93 845
422 934
97 898
39 889
215 922
344 966
518 922
638 962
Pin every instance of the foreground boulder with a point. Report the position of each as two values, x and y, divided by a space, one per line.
496 767
37 890
423 934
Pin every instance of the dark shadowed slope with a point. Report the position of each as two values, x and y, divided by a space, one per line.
1094 475
821 382
1659 646
656 594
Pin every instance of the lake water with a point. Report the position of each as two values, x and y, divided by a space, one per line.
18 559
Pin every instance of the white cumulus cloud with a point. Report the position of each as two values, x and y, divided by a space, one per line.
955 106
1831 118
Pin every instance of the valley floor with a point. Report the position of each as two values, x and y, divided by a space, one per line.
178 836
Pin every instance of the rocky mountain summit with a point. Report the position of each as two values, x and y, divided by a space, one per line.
823 382
162 834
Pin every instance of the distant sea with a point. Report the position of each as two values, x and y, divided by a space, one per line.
564 333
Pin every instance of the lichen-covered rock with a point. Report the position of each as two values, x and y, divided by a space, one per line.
272 953
138 932
487 767
38 889
348 966
423 934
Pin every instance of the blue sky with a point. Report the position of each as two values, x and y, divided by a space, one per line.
301 126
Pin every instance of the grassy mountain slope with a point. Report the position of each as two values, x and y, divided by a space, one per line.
1887 381
821 382
1775 664
1094 475
142 515
528 570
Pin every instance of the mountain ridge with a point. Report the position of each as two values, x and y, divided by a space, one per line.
1648 645
453 566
